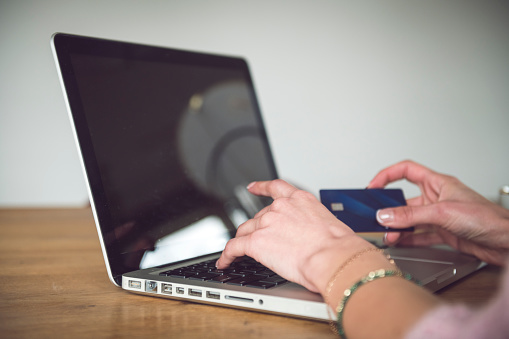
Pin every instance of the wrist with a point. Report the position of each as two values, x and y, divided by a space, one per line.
341 263
321 266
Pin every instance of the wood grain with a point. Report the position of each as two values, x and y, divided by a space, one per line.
53 283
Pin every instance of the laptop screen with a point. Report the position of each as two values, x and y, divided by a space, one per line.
169 140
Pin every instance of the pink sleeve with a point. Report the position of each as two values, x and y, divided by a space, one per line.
459 321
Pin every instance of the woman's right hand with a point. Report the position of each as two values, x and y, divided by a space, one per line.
295 236
446 212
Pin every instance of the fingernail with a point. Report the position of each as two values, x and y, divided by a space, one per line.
251 185
217 262
384 216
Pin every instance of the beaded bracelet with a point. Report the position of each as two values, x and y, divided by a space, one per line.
374 275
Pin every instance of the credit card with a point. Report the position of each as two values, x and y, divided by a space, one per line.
357 207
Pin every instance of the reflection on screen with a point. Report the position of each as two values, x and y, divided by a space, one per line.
210 232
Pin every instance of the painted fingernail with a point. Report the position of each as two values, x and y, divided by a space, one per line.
384 216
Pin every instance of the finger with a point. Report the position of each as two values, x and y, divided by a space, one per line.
392 238
417 201
262 212
275 189
234 248
421 239
408 170
407 216
247 228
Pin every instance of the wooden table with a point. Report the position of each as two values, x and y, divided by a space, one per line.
53 283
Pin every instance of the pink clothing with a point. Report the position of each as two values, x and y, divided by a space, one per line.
459 321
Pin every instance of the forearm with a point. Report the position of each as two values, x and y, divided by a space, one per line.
386 308
383 308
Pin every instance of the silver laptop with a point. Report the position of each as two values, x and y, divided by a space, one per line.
169 139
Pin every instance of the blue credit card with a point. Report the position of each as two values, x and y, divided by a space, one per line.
357 207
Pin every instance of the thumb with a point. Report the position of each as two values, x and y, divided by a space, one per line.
408 216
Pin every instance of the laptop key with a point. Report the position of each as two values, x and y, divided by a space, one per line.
240 273
276 279
223 278
225 271
204 276
200 269
191 273
266 272
242 281
173 273
260 284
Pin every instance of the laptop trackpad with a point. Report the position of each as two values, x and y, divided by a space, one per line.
425 265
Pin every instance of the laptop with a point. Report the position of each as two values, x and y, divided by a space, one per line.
168 140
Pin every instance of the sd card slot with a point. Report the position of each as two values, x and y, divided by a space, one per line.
231 297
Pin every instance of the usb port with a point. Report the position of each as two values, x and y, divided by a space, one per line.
166 289
135 284
180 290
213 295
195 292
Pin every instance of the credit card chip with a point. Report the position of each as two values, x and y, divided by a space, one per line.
337 206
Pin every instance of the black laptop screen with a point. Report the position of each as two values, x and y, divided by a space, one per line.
169 141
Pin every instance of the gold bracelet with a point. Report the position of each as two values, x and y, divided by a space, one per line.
339 271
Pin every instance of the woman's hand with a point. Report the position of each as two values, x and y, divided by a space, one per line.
295 236
446 212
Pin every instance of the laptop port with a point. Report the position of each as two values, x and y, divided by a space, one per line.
135 284
231 297
195 292
213 295
180 290
166 289
151 286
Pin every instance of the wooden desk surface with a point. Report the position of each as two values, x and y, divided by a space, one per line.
53 283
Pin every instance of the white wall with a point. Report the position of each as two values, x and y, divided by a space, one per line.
346 87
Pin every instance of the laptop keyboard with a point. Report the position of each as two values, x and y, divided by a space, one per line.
245 272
